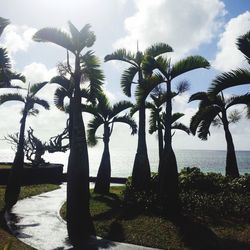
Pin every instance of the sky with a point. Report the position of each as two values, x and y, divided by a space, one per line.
195 27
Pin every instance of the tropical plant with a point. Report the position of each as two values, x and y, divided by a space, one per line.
160 71
6 74
157 116
106 115
30 100
79 223
213 110
134 75
236 77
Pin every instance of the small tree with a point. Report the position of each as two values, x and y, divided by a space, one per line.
106 115
213 110
30 100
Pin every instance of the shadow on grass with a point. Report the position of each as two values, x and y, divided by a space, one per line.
197 236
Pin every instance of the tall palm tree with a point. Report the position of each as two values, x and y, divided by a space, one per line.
6 74
79 223
106 115
141 168
30 100
214 110
160 72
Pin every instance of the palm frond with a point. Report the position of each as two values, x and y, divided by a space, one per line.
62 81
4 60
134 109
183 86
91 109
41 102
202 121
36 87
150 64
229 79
59 97
11 97
119 107
176 116
90 68
243 44
93 125
3 23
127 80
188 64
242 99
153 117
122 55
148 85
158 49
234 116
180 126
127 120
87 37
55 36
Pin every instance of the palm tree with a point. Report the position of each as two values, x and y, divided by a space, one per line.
157 124
213 110
79 223
161 71
141 168
6 74
106 115
15 180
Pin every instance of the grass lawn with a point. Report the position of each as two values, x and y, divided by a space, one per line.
27 191
112 222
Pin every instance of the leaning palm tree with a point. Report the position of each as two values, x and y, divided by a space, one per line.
106 115
30 100
141 168
160 71
213 110
6 74
79 223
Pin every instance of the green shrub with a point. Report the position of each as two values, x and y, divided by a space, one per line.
201 194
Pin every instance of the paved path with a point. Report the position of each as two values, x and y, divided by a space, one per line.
37 223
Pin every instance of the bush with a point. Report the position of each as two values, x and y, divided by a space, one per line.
201 194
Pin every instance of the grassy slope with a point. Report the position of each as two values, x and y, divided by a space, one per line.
28 191
113 223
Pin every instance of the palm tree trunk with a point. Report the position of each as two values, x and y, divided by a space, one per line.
79 222
102 184
15 179
168 173
231 161
141 169
160 141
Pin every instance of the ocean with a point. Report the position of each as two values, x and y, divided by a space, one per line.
122 160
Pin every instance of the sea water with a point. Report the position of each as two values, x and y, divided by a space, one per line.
122 160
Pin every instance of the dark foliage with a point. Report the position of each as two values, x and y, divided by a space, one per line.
206 195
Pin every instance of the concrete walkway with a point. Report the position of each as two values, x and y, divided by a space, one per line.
36 222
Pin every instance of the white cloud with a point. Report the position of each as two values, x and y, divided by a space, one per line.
17 38
38 72
228 56
184 25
